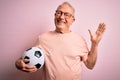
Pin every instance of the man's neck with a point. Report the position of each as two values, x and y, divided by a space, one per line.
63 31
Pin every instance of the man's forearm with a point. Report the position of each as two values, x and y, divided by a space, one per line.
92 56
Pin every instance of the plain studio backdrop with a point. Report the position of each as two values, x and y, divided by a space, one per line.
21 21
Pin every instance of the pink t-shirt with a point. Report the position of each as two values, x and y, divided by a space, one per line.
63 55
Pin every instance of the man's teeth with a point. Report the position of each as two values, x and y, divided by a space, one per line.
60 22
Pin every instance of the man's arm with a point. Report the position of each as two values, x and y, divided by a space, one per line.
95 39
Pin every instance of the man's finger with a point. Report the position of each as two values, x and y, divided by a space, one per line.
26 60
101 27
90 32
29 70
29 67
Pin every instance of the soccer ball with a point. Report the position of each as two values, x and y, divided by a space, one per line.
36 57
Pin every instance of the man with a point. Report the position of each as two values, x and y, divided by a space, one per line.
65 50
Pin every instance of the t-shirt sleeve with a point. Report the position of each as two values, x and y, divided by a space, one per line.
84 51
37 44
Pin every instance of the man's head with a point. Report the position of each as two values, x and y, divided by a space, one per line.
64 17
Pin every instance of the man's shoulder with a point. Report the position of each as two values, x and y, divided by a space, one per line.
46 34
78 36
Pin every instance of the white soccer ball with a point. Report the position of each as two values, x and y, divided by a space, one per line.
36 57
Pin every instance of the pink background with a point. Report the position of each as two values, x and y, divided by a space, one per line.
21 21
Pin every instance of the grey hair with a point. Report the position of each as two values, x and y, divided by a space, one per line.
67 3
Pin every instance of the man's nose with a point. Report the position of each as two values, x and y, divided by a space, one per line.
62 16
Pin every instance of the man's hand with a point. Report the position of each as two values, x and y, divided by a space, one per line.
20 64
96 37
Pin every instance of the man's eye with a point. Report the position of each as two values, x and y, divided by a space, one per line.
66 14
58 12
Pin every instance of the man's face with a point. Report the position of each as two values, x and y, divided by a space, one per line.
64 17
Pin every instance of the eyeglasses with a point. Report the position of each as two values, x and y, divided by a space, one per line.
66 14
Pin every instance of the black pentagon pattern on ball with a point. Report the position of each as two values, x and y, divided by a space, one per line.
26 57
28 49
38 66
38 54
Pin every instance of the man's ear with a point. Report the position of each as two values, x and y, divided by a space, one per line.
73 19
54 14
